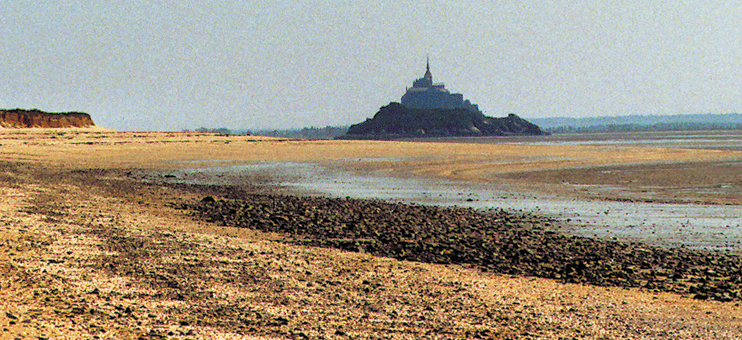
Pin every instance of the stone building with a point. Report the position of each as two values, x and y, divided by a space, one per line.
424 94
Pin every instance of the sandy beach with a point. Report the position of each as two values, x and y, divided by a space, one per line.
90 250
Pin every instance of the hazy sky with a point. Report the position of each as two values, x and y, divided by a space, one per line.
170 65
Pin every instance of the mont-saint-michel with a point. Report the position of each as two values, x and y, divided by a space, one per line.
428 109
424 94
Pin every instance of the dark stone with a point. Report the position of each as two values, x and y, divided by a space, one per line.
282 321
701 297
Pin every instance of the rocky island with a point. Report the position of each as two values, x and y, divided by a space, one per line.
428 109
20 118
398 121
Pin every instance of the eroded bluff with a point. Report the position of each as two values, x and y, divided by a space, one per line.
20 118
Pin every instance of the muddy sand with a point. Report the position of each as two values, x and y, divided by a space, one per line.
603 211
88 250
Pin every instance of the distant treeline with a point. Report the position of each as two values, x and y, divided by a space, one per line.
327 132
222 130
638 127
635 123
731 121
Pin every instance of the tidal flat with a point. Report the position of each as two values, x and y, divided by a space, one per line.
95 243
675 212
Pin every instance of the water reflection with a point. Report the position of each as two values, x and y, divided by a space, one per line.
690 225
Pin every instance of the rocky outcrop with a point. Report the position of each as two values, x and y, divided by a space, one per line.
397 121
19 118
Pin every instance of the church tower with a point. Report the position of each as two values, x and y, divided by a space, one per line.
424 94
428 75
426 80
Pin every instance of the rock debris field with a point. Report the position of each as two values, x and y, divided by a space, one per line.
495 240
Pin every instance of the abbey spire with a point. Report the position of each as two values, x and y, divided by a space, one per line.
428 75
424 94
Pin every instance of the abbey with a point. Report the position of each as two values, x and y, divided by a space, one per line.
424 94
429 110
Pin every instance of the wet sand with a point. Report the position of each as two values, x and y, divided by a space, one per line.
686 190
707 139
598 210
464 160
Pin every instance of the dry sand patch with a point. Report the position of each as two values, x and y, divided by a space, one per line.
110 149
702 182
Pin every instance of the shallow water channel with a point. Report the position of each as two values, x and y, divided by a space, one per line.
713 227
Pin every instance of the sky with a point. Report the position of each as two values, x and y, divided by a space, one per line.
174 65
